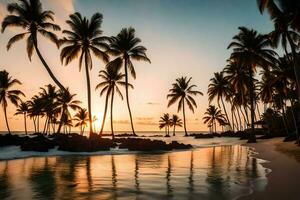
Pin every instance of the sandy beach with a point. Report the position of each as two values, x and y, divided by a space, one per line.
284 161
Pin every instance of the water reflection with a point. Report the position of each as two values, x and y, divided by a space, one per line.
210 173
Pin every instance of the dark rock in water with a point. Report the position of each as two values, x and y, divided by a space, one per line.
139 144
167 136
177 145
9 139
39 143
202 136
78 143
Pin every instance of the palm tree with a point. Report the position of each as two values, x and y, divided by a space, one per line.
175 121
111 79
82 118
84 39
252 49
218 88
213 115
125 46
286 17
183 92
65 101
29 15
36 106
165 122
23 110
7 93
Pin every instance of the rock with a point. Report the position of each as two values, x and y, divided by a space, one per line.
38 143
9 139
78 143
177 145
202 136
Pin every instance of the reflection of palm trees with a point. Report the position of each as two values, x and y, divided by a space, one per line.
114 178
4 182
168 177
88 174
191 177
136 175
43 182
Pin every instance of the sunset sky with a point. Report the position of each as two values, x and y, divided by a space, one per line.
186 38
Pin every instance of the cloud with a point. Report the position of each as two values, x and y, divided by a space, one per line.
121 121
144 118
149 123
152 103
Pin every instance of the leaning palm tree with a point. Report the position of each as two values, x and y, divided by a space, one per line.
84 39
23 109
175 121
213 115
165 122
29 15
125 46
111 79
219 88
7 93
183 92
252 49
82 118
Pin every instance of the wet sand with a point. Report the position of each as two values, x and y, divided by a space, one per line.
284 180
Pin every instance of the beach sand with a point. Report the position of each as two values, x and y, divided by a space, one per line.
284 180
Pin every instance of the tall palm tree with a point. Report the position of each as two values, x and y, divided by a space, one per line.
36 106
165 122
125 46
213 115
175 121
8 93
111 79
219 88
253 51
183 92
23 110
82 118
65 102
84 39
29 15
286 17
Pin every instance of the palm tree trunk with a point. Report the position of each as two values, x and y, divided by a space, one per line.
127 98
239 116
225 111
245 120
184 123
6 120
111 113
296 67
61 120
284 116
34 124
232 120
38 124
252 137
174 130
45 125
25 124
34 36
247 116
258 112
236 120
88 94
294 120
104 114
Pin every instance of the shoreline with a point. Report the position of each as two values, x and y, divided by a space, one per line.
283 161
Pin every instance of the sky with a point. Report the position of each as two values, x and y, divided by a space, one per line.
183 38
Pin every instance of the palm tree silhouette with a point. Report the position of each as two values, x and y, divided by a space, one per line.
182 91
253 50
65 102
29 15
125 46
8 94
84 39
23 110
286 18
36 106
175 121
213 115
82 118
111 79
165 122
218 88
